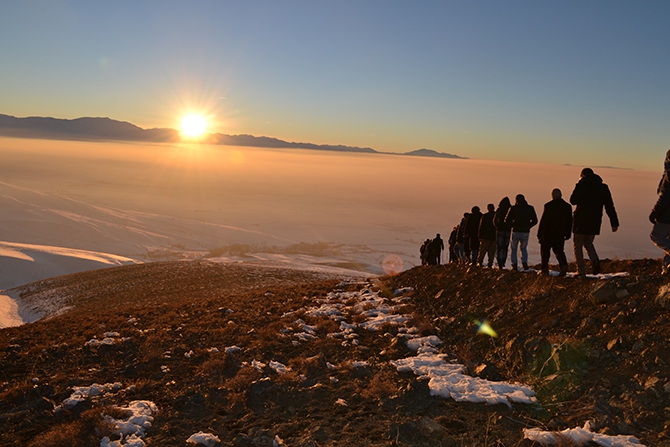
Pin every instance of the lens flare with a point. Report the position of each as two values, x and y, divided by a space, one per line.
483 327
392 265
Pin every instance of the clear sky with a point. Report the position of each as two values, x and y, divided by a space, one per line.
580 82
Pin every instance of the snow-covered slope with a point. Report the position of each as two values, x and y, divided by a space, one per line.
24 263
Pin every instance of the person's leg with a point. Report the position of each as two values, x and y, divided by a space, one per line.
544 256
559 250
491 252
578 245
524 249
474 247
501 248
660 236
514 249
591 251
483 247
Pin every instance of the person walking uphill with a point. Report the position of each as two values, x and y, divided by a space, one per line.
487 236
503 231
554 229
435 248
521 218
590 196
472 232
660 217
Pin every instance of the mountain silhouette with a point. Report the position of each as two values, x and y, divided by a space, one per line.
107 129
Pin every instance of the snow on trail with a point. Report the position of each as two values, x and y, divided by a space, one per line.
448 380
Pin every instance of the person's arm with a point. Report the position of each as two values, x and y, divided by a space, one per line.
567 229
540 228
533 217
609 208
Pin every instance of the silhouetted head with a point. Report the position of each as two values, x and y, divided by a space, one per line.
475 209
556 193
466 214
491 207
586 172
505 202
438 235
520 199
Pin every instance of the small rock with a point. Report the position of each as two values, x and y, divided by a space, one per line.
603 292
666 388
622 293
488 372
431 429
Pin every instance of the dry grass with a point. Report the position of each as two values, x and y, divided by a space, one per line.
384 383
176 308
86 431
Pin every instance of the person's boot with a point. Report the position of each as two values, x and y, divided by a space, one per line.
564 270
515 268
596 266
524 265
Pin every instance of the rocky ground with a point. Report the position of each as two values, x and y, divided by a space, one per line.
233 351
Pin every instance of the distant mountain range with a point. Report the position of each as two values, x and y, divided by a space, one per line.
106 129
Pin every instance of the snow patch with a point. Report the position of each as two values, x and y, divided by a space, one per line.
206 439
131 430
579 437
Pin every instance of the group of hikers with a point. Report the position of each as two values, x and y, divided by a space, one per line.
489 235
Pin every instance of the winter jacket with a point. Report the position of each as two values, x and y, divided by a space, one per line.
556 222
487 231
453 237
501 213
521 217
461 228
661 211
590 196
472 225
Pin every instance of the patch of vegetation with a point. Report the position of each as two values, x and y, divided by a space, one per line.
557 369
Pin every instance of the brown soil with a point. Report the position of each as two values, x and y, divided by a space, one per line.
592 349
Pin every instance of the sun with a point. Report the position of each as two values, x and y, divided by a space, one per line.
193 126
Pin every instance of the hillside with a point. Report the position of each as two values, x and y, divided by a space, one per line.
259 356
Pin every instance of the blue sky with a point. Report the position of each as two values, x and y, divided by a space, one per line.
579 82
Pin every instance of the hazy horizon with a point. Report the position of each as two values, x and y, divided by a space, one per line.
127 198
